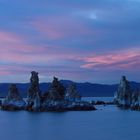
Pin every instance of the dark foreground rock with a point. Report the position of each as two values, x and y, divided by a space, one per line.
55 99
34 93
13 101
125 97
124 93
67 106
103 103
52 106
72 93
64 106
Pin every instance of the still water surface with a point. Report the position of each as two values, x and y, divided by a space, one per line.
107 123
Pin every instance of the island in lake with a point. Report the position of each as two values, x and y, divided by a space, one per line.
60 98
57 98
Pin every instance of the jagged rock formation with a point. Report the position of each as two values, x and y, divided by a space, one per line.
135 100
13 101
57 90
126 97
34 93
52 100
72 93
124 93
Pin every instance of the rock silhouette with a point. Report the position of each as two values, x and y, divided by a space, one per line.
56 91
124 93
52 100
72 93
34 93
126 97
13 100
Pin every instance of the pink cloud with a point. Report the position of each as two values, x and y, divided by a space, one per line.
15 43
123 59
15 49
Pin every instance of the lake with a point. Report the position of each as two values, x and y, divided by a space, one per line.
106 123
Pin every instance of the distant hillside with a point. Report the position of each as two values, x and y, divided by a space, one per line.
85 89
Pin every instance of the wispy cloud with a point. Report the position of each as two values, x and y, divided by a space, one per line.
128 59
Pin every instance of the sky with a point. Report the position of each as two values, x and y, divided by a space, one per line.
94 41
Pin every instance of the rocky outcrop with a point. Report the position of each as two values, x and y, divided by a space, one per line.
126 97
124 93
70 106
56 91
56 99
63 105
34 93
72 93
13 101
53 100
135 100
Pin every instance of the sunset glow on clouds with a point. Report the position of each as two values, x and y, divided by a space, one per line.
124 59
94 41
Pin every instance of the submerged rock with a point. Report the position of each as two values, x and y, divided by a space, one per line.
34 93
13 100
72 93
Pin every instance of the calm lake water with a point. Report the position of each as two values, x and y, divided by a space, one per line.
107 123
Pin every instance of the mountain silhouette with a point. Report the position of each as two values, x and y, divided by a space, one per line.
84 89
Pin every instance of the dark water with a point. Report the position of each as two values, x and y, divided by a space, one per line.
107 123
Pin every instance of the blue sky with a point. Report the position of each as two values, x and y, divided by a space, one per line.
81 40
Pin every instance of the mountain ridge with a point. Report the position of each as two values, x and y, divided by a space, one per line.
85 89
